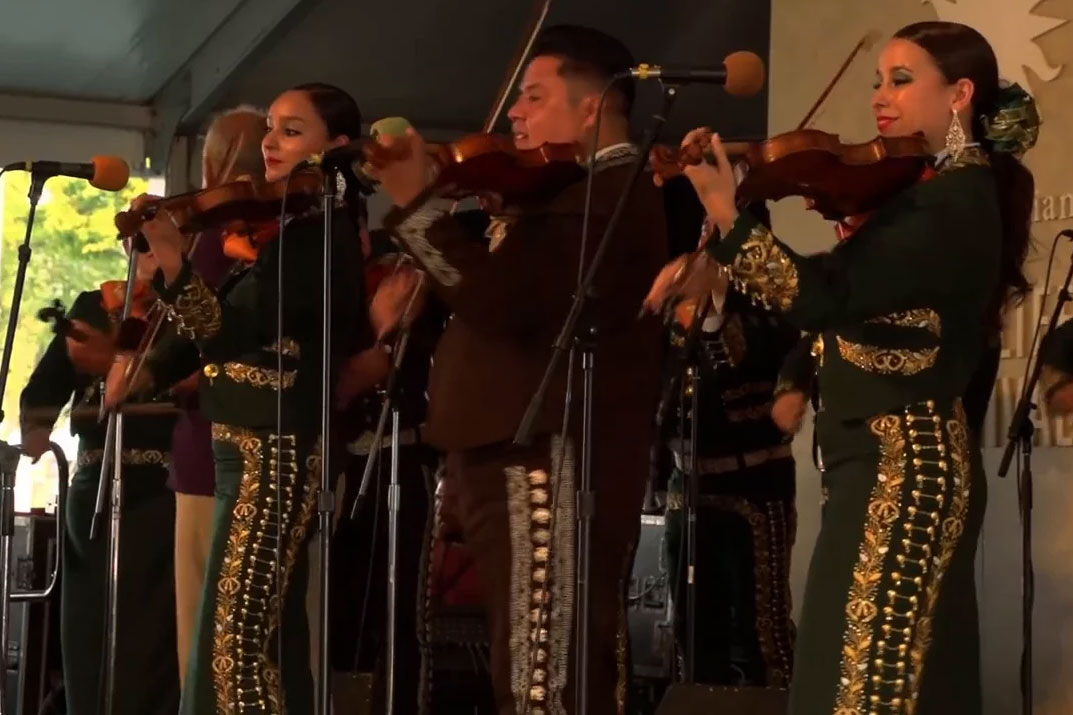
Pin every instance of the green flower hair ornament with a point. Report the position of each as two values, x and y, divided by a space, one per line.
1013 126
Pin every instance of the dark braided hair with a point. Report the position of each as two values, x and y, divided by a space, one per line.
963 53
340 114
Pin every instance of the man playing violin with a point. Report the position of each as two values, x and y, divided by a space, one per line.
508 304
73 365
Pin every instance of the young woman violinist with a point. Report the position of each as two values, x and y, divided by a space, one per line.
146 679
266 477
889 623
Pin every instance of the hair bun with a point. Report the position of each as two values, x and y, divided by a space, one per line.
1013 125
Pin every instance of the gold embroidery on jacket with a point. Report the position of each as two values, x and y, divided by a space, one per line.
290 348
887 361
259 376
817 349
923 318
861 609
196 310
732 335
764 270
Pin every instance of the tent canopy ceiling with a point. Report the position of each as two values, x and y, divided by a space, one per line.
438 62
120 50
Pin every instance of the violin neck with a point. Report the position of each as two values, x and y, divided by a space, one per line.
736 149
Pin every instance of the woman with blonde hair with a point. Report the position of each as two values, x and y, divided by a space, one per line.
232 152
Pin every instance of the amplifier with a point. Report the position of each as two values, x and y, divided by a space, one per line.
33 647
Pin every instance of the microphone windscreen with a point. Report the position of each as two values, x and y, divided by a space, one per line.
110 173
389 126
745 73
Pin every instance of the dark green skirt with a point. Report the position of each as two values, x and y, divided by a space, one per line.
889 621
147 674
258 552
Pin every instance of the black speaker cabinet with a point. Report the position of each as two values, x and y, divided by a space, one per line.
683 699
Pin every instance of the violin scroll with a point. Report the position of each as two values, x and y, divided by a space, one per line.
56 315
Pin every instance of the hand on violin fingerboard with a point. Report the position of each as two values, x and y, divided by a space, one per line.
164 238
90 350
713 179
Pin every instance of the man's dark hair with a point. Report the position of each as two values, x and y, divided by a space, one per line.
589 54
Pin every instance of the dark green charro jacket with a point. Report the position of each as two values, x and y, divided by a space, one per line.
55 380
899 309
237 334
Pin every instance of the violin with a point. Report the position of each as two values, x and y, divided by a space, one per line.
484 163
243 243
234 205
114 294
131 334
838 179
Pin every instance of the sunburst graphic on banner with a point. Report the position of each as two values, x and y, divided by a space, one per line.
1012 29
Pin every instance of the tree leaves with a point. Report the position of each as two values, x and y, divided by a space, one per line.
74 248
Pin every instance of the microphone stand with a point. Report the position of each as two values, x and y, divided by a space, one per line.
113 450
326 498
586 341
9 455
1020 435
689 364
390 405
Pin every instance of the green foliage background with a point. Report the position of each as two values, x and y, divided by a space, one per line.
74 248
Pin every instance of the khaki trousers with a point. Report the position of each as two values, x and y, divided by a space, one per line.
193 534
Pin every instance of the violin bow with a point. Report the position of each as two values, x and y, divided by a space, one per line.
533 27
134 367
866 43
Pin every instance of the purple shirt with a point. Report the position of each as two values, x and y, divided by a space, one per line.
192 467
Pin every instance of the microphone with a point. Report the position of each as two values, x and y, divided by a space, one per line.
742 74
107 173
354 152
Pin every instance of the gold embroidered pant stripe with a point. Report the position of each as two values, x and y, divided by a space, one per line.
889 621
258 550
745 534
504 507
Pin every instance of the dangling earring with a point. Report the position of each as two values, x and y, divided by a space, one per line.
955 137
